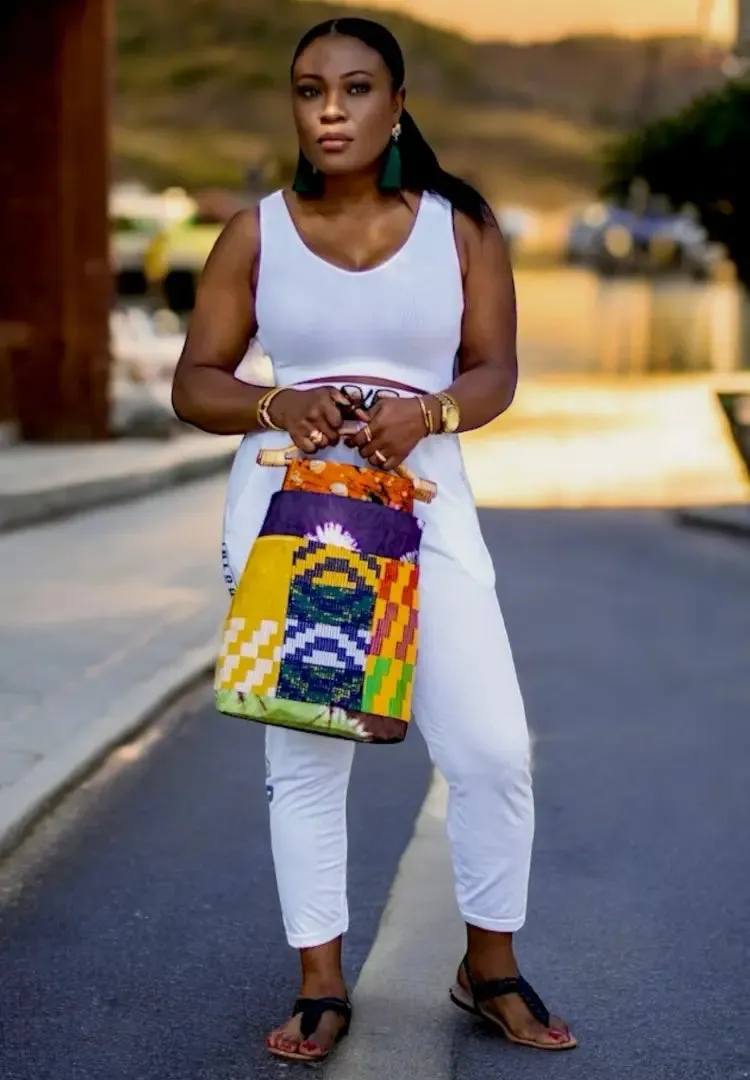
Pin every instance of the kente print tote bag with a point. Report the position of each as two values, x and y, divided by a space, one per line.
322 631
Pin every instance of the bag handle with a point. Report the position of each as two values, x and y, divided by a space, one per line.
424 490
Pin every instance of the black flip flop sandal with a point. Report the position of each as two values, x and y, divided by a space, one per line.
311 1011
471 1002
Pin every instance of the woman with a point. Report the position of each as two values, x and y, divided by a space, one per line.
381 279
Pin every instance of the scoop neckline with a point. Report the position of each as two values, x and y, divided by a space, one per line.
387 261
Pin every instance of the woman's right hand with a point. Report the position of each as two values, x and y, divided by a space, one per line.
312 417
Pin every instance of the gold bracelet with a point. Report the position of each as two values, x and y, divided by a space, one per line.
263 416
426 416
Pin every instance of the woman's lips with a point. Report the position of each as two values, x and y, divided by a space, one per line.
334 144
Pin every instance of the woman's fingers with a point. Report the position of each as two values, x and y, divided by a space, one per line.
316 426
376 410
305 444
315 435
377 452
361 438
328 414
342 399
392 463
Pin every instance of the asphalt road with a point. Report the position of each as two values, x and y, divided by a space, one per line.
139 934
140 937
632 638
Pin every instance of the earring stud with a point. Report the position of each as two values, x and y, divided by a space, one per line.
396 132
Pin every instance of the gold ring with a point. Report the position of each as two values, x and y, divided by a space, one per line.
380 457
368 432
317 438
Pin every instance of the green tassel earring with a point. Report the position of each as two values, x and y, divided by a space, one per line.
307 180
392 175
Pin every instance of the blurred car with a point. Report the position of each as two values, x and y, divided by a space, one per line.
697 255
635 242
136 216
617 240
129 241
584 232
177 254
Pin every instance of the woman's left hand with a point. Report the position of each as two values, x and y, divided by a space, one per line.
394 427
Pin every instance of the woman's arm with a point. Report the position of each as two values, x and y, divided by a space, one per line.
488 364
205 392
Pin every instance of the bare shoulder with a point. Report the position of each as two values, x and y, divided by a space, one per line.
475 235
478 243
239 242
245 223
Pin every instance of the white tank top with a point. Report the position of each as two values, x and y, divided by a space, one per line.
399 321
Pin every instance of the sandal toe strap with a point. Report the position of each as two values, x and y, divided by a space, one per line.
495 988
312 1010
533 1002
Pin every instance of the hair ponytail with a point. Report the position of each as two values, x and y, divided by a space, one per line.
420 169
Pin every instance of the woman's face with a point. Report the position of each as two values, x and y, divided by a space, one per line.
344 104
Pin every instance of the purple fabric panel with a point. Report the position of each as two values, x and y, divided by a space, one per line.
332 519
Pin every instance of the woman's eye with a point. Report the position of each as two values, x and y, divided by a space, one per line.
359 88
307 91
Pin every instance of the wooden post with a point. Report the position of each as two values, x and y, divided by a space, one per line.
55 284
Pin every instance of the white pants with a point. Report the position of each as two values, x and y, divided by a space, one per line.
468 706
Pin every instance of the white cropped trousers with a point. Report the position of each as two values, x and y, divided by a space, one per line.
469 709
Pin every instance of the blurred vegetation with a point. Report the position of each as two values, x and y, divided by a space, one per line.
202 95
701 156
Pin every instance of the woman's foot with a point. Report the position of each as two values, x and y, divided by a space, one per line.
288 1040
321 978
489 957
514 1013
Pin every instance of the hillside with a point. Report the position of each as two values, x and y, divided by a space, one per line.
202 95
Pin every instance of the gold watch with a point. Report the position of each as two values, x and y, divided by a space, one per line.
450 413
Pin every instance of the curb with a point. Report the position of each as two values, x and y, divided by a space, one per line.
400 997
37 507
730 520
24 803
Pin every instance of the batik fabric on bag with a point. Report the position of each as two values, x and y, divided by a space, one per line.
322 631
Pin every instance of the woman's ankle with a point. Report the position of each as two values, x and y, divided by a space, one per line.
319 986
322 974
490 954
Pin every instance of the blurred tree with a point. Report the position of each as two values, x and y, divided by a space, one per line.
699 156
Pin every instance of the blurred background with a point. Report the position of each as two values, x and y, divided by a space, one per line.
610 138
139 926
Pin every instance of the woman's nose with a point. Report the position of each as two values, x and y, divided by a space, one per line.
333 109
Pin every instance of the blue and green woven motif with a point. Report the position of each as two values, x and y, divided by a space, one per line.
323 662
322 632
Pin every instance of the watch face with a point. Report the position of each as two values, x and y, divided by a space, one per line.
450 417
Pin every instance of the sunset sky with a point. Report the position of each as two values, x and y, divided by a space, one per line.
535 19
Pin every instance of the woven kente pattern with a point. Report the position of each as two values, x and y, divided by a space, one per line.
320 636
